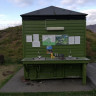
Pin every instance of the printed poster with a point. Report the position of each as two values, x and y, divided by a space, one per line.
35 37
61 39
28 38
71 40
36 44
48 40
77 39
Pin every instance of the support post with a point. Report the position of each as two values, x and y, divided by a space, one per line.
26 73
84 73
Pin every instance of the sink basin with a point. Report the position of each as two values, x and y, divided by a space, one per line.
71 58
38 59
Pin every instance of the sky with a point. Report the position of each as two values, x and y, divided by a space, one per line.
10 10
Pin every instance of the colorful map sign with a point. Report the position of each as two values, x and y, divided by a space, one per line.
61 39
48 39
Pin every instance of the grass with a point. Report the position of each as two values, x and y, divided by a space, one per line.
89 93
11 44
91 45
7 71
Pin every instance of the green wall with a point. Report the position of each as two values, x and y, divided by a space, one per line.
71 28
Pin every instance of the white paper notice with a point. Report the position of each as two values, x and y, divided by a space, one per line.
77 39
28 38
35 37
36 44
71 39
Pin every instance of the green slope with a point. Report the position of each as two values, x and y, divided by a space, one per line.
11 44
91 44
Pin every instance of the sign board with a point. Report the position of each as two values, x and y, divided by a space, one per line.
55 28
28 38
35 37
61 39
36 44
48 39
71 40
77 39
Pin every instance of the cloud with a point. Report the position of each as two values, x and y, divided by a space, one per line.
22 3
66 2
42 2
77 1
2 16
80 5
91 17
81 1
5 22
71 4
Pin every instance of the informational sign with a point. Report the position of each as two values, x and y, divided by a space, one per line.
35 37
71 40
48 40
28 38
61 39
77 39
36 44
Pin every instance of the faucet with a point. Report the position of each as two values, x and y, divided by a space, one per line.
70 55
39 55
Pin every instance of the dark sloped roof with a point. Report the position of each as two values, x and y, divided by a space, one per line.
52 10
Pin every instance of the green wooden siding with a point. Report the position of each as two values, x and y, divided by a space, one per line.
71 28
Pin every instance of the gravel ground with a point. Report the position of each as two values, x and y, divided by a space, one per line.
18 84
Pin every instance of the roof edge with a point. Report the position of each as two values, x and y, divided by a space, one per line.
50 8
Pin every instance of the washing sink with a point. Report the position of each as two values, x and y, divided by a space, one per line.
38 59
71 58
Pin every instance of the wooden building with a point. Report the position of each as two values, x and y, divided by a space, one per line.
54 44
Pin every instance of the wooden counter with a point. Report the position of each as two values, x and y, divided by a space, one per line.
55 60
47 68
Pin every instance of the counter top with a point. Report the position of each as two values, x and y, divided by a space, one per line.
47 60
54 59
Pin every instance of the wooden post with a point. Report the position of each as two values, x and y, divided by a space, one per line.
84 74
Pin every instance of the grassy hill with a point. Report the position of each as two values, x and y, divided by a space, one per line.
11 44
91 44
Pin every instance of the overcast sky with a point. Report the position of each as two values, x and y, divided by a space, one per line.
10 10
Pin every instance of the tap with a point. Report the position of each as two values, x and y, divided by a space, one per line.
70 55
39 55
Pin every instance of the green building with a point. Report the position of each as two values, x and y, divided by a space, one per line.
54 44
